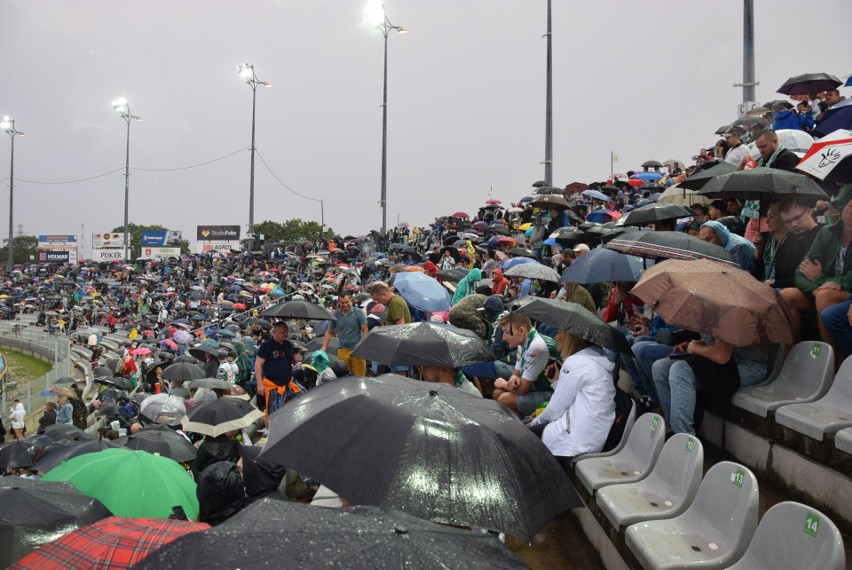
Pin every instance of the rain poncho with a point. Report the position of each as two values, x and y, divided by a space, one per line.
739 247
467 285
221 493
320 364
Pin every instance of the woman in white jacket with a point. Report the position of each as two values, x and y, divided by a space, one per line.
16 418
581 411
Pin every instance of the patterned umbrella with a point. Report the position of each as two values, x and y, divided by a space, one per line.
113 542
533 271
182 337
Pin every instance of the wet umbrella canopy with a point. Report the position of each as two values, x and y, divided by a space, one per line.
113 542
19 453
426 449
73 449
36 512
298 310
654 213
669 245
575 319
533 271
161 440
764 184
312 537
183 371
601 265
697 181
726 303
219 416
422 291
423 344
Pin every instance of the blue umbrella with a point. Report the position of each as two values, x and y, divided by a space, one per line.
595 194
600 265
648 176
422 291
600 216
510 263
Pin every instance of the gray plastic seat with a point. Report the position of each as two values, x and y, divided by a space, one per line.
715 530
632 463
805 377
829 414
843 440
665 493
793 535
631 419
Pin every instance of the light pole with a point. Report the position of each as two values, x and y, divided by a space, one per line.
548 114
8 124
375 13
246 71
123 107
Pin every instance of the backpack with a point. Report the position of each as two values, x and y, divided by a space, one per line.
623 405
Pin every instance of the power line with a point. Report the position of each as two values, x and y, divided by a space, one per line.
192 166
69 181
275 176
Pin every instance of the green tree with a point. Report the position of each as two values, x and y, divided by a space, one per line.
290 231
135 231
23 250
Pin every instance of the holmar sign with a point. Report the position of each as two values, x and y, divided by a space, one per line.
218 233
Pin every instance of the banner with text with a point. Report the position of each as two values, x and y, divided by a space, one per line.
161 238
160 252
218 233
57 239
220 246
109 240
107 255
55 256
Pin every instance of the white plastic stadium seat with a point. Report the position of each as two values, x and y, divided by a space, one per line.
665 493
843 440
715 530
829 414
632 463
805 377
631 419
793 535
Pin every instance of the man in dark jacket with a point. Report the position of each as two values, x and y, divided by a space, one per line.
772 152
792 231
48 418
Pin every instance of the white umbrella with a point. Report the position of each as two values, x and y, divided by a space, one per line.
826 156
681 196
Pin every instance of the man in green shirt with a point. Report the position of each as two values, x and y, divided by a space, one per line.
396 309
350 324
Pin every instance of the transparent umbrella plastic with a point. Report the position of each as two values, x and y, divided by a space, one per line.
165 406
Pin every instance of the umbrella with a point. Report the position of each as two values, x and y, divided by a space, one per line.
160 440
533 271
423 344
19 453
829 159
67 431
669 245
567 235
602 265
262 323
521 252
681 195
130 483
67 380
726 303
162 405
837 117
73 449
655 213
211 383
140 351
647 176
219 416
307 537
110 396
575 319
183 371
809 83
461 215
37 512
199 350
445 456
119 382
454 275
764 184
105 371
493 202
595 194
298 310
697 181
550 201
422 291
603 215
514 261
113 542
182 337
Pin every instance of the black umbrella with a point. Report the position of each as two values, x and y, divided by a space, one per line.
262 323
185 358
548 190
67 380
118 381
809 83
67 431
36 512
655 213
577 320
312 537
160 440
764 184
423 344
19 453
110 396
298 310
567 235
697 181
211 383
501 229
199 350
184 371
521 252
550 201
48 461
669 245
652 164
105 371
452 275
316 344
219 416
444 455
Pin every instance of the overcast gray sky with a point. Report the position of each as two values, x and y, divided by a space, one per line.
647 80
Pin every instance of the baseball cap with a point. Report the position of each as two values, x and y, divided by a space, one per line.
733 132
493 304
581 247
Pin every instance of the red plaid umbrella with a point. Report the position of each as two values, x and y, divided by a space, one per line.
112 542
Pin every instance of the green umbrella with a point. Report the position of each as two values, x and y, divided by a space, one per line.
130 483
